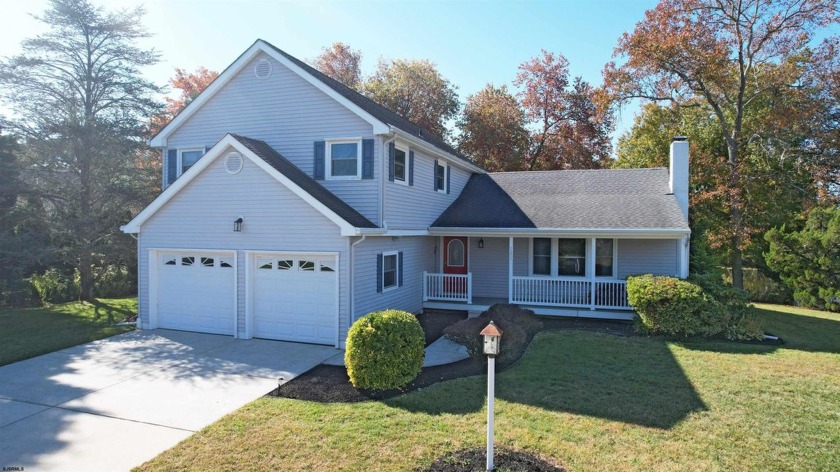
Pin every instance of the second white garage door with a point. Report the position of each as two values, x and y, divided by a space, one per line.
295 297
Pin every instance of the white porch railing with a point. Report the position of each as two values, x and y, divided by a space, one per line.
568 292
447 287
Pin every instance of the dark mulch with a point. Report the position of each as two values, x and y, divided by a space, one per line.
330 384
435 321
470 460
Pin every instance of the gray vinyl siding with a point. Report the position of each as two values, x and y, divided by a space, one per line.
489 267
418 255
647 256
418 206
201 216
289 114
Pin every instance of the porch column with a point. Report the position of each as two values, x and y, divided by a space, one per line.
510 269
590 272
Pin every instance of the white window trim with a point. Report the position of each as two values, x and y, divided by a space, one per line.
445 173
555 259
396 285
614 274
180 168
406 177
328 158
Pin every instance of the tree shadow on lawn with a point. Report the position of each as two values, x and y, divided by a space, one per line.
111 311
798 331
630 379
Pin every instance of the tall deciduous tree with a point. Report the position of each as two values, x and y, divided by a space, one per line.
567 130
492 130
342 63
416 90
187 86
83 110
725 56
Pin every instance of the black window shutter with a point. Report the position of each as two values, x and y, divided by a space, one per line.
448 174
318 167
207 149
400 267
392 151
410 167
379 273
434 176
171 166
367 158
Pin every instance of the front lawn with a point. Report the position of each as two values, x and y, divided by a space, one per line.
588 401
30 332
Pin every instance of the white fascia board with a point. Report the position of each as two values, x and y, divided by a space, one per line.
229 141
629 233
260 46
416 142
393 232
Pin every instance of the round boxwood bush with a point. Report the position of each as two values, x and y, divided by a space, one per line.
384 350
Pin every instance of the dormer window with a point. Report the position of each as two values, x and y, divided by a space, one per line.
344 160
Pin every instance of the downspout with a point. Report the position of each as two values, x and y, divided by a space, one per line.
352 267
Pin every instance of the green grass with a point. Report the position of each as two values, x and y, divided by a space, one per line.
30 332
586 400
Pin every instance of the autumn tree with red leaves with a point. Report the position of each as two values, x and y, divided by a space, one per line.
342 63
726 57
187 86
493 130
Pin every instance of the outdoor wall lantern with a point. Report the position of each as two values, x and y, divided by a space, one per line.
492 341
237 225
481 243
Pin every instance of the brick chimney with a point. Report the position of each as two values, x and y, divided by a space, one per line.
679 172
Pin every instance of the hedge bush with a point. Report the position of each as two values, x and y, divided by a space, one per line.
384 350
516 323
701 306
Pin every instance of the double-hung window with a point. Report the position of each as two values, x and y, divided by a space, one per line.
568 257
571 257
187 158
440 178
400 165
344 160
390 267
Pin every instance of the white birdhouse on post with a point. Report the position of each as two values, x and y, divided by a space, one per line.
492 334
492 344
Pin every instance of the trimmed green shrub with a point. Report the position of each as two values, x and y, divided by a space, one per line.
515 322
384 350
740 321
672 306
55 286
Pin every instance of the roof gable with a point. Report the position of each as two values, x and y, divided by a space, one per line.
335 209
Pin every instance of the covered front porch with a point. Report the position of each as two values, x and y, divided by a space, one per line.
551 274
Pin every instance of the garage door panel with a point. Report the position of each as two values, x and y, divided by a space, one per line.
294 297
196 292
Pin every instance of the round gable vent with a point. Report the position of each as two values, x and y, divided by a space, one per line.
263 69
234 162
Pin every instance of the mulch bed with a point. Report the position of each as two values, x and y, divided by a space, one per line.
469 460
330 384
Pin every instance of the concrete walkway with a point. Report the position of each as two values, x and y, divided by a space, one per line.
442 351
115 403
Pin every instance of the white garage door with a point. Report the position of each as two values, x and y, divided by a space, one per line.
195 291
295 297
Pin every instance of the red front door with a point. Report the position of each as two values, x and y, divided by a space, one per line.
454 255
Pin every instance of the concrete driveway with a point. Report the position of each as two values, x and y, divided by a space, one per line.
114 403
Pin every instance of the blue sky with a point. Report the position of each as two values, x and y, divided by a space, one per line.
472 42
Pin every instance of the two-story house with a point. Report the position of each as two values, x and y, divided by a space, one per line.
292 205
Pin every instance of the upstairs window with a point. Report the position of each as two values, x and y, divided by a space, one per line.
187 158
440 178
400 165
343 160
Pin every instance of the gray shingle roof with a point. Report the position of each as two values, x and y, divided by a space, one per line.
378 111
567 199
304 181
